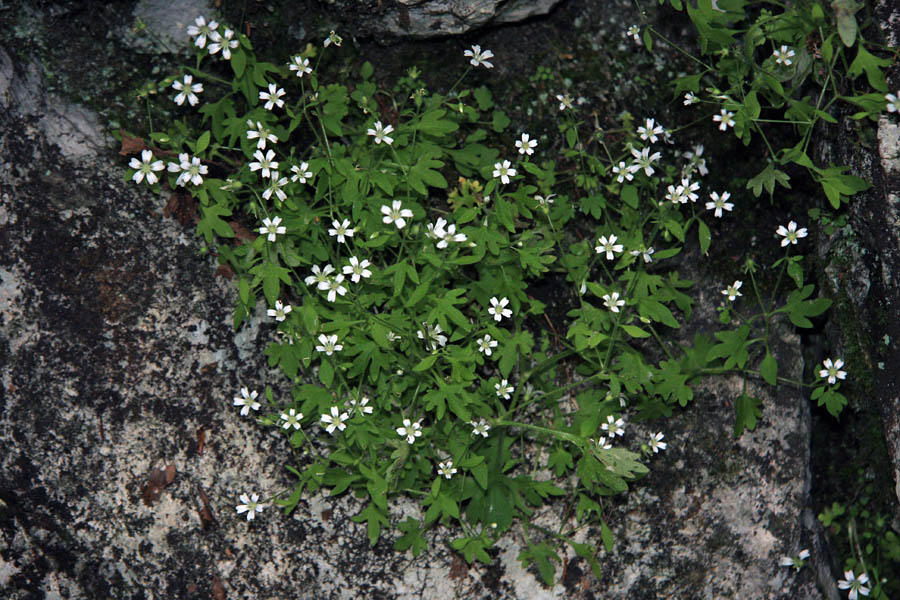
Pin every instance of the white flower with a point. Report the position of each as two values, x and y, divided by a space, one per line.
486 344
697 160
796 562
544 202
251 505
361 406
301 173
480 427
200 30
614 426
336 420
732 290
435 338
275 187
446 469
320 277
646 254
498 308
272 97
449 235
783 56
247 401
644 160
791 234
334 288
688 188
225 43
725 119
624 171
676 194
262 133
341 230
146 167
410 430
719 202
612 302
357 269
329 345
649 131
291 418
602 443
280 312
272 228
191 170
656 443
392 337
854 584
893 103
504 171
479 57
635 32
526 145
609 246
564 101
396 214
381 133
187 90
333 38
265 163
690 98
300 65
832 370
504 389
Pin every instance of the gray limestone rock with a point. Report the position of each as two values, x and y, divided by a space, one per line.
429 18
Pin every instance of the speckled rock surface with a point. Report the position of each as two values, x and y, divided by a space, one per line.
117 359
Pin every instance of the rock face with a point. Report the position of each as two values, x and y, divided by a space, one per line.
123 457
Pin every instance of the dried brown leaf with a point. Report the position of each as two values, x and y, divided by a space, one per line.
131 145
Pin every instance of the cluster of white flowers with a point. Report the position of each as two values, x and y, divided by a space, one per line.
444 233
190 170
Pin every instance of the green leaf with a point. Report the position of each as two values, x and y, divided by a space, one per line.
704 236
202 142
433 123
374 518
872 65
238 62
769 369
560 461
606 536
746 412
326 373
767 179
499 121
541 556
366 70
833 401
271 276
480 473
484 98
425 363
412 535
212 222
845 15
634 331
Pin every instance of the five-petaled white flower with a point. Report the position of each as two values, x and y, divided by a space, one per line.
280 312
635 32
690 98
486 344
434 334
504 171
645 253
291 418
200 30
301 173
265 163
251 505
732 290
334 287
272 228
262 133
796 562
191 170
504 389
609 246
300 65
697 161
480 427
893 104
650 130
361 406
341 230
247 401
146 167
790 233
832 370
498 308
187 90
602 443
565 101
396 214
612 302
526 145
644 160
320 276
381 133
446 469
719 202
725 119
410 430
358 270
328 344
273 97
656 443
478 57
336 420
224 42
783 55
275 186
613 426
855 584
623 171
